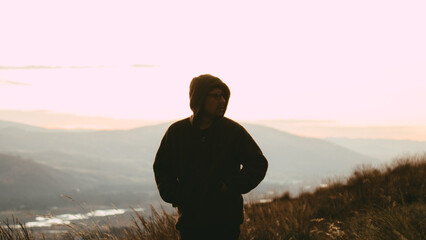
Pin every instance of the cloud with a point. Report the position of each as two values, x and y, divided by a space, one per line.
6 82
27 67
143 65
31 67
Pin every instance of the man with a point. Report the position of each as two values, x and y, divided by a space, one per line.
205 162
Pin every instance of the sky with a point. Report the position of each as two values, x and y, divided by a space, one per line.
352 62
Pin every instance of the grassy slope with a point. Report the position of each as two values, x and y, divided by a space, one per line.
371 204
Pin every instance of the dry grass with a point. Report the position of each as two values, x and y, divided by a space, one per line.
371 204
16 230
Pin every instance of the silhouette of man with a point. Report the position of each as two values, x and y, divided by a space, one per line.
205 162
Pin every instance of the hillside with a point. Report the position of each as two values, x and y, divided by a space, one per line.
130 153
119 162
386 203
372 204
26 183
8 124
300 158
29 185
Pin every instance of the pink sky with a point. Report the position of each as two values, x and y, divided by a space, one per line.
354 62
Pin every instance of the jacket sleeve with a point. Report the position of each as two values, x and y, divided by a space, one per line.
254 164
165 172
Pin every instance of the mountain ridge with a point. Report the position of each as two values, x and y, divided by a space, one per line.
109 161
382 149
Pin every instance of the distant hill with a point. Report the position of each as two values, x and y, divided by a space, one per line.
383 149
132 152
24 182
71 121
323 129
7 124
301 158
110 161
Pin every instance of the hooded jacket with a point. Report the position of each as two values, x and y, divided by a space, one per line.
192 166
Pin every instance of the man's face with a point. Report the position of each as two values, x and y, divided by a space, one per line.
215 104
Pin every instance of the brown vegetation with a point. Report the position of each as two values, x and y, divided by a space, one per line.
371 204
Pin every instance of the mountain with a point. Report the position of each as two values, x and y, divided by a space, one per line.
111 161
70 121
331 129
128 153
300 158
25 182
383 149
8 124
131 152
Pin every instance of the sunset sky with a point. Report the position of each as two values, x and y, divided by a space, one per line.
353 62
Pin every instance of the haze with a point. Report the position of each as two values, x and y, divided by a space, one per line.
358 63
